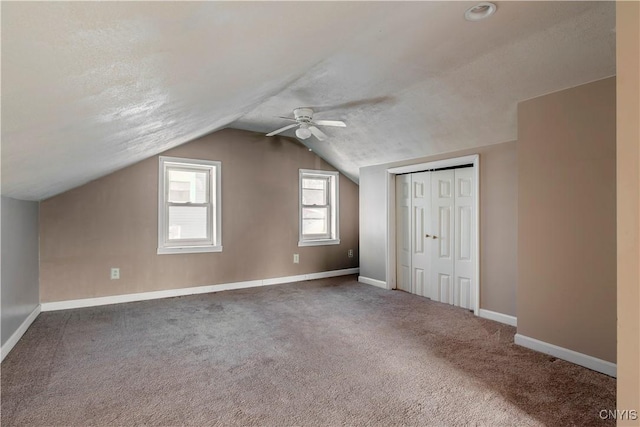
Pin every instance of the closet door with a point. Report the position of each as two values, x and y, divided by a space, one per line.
442 218
421 225
403 232
465 238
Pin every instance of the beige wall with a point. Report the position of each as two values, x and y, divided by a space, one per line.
567 219
499 228
498 222
628 126
112 222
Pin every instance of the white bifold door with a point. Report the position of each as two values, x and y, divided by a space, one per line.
436 235
403 230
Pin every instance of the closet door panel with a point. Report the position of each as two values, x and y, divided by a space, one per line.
403 232
465 237
421 255
442 240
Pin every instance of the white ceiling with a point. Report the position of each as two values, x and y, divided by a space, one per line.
91 87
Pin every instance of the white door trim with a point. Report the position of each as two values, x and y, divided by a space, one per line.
391 217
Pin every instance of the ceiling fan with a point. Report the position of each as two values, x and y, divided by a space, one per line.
306 125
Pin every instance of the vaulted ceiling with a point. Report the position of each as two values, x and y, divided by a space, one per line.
91 87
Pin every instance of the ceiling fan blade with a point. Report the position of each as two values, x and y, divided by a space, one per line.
287 118
337 123
275 132
317 133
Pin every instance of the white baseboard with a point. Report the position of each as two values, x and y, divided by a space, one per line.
143 296
15 337
373 282
581 359
498 317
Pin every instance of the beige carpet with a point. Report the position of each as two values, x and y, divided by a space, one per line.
326 352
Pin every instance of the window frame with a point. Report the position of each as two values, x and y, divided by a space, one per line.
333 190
213 241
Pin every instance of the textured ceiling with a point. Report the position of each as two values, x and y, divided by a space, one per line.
91 87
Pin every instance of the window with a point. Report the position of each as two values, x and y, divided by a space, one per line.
318 208
188 206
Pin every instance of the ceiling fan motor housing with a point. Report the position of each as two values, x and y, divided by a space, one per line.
303 114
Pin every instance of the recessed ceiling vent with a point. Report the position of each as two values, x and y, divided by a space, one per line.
480 11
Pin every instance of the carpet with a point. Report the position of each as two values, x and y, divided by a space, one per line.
323 352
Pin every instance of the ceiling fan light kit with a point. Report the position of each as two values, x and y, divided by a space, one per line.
306 125
303 132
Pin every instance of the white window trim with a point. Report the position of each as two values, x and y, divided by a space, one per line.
216 211
335 209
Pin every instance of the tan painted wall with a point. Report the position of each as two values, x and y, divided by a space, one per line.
499 228
567 219
628 126
498 222
112 222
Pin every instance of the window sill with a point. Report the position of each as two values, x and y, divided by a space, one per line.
188 250
319 242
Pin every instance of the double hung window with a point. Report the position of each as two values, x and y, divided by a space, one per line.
318 208
188 206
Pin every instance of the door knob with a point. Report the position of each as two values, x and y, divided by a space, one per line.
427 235
435 237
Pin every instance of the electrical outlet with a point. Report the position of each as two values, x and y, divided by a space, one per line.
296 258
350 253
115 273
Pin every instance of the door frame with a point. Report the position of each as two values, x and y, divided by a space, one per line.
391 213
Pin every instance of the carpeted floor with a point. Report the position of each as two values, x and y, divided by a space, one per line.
325 352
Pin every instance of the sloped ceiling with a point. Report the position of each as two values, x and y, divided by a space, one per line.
91 87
